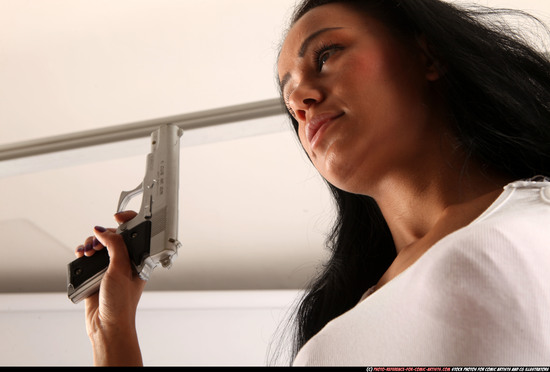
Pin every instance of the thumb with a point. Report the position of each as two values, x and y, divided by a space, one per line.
118 253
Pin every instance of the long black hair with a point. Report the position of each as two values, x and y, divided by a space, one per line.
497 87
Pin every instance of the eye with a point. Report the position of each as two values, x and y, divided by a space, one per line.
323 53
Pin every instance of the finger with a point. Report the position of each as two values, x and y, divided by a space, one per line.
88 246
79 251
85 248
124 216
96 245
118 253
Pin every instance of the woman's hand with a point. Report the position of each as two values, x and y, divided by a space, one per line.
110 313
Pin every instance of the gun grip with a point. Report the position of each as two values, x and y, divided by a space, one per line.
138 242
84 268
85 273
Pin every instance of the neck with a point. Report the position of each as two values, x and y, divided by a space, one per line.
424 206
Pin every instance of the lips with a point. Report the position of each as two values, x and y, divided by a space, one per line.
316 123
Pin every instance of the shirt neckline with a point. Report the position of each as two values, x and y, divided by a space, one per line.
505 195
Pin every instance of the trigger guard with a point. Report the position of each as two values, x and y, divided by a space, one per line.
126 196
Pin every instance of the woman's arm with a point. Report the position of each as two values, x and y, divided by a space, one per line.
111 313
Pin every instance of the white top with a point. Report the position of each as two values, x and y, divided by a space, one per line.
480 296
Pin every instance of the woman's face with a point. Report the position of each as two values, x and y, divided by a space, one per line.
359 94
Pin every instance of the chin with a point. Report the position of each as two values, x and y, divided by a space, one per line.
348 176
344 178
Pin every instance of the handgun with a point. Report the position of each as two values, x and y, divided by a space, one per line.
152 236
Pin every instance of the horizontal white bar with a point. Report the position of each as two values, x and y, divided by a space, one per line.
141 129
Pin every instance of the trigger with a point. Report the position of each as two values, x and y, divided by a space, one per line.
126 196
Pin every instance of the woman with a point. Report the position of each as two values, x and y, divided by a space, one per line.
417 115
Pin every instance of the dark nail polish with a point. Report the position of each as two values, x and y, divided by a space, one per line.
80 248
100 229
95 243
88 248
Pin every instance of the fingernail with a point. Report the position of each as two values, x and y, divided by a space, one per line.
100 229
80 248
95 243
88 248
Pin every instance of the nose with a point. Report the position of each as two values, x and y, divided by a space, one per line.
302 98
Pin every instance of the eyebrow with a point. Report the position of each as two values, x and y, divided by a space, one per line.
303 49
310 38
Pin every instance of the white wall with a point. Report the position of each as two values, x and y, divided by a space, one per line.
216 328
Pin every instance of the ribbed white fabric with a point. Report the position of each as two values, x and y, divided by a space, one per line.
480 296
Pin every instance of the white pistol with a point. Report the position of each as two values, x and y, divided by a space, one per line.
152 236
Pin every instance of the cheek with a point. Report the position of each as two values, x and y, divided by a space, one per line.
367 66
379 68
390 96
